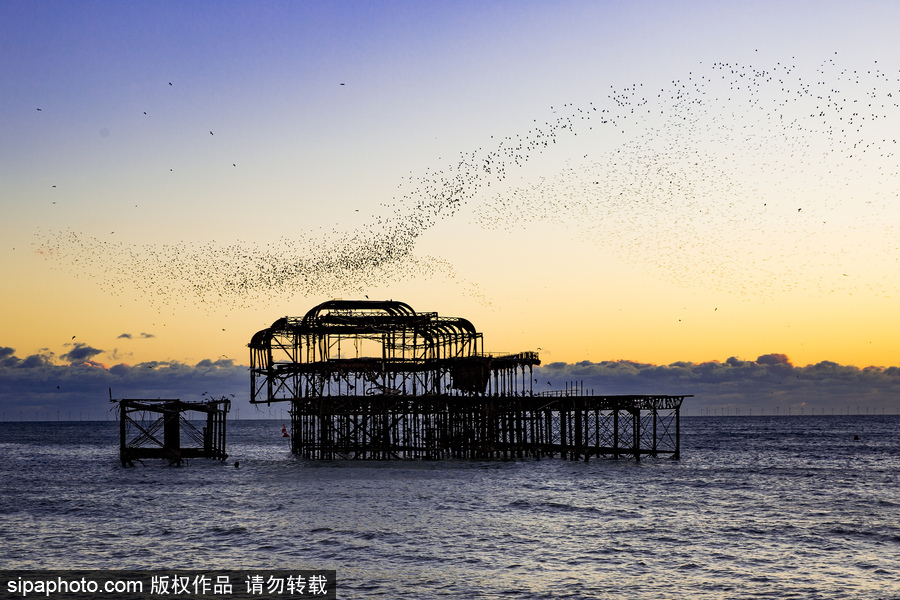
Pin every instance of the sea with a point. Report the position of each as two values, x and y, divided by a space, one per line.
757 507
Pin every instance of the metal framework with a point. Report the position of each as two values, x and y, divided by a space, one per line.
156 428
377 380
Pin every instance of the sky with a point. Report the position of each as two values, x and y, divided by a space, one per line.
662 197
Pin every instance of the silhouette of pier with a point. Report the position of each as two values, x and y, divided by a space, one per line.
376 380
162 428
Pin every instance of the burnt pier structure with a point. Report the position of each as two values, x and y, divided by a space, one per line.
171 429
377 380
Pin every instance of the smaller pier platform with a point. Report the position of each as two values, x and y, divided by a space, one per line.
159 428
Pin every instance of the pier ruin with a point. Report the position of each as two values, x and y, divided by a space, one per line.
173 430
377 380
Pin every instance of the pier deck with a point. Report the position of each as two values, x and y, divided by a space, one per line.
443 426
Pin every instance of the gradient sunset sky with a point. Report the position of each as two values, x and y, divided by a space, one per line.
649 181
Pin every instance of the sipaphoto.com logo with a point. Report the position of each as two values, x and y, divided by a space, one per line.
60 586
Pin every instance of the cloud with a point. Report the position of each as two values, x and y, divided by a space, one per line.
773 359
143 336
737 386
81 353
10 361
39 385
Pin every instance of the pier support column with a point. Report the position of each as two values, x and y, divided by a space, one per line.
615 432
636 434
172 431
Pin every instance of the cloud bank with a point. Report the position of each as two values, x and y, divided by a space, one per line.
41 386
766 385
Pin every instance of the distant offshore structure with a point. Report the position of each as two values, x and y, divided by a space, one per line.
377 380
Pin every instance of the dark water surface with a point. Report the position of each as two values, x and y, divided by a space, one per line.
758 507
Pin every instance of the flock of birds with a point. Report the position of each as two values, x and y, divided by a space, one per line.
732 178
739 179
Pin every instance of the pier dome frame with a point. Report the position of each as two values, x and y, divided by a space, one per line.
329 352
